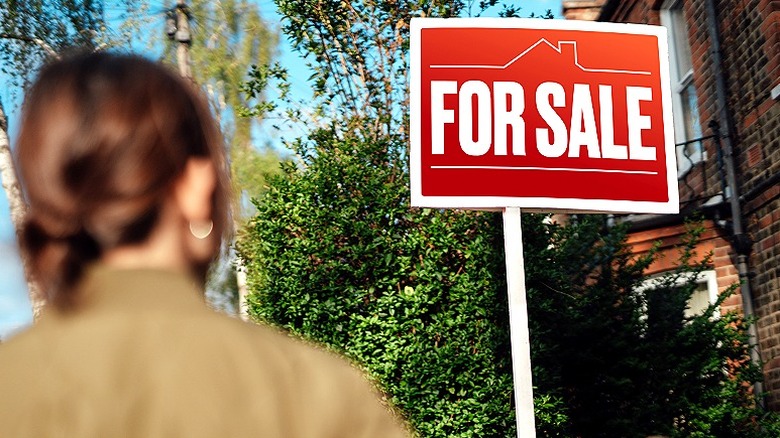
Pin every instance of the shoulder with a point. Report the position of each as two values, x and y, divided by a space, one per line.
191 365
297 362
326 391
283 380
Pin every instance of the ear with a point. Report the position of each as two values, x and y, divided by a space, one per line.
194 189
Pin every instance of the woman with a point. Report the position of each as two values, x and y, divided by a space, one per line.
125 175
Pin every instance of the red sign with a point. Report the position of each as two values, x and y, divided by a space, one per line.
542 114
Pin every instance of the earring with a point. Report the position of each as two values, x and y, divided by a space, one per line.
201 229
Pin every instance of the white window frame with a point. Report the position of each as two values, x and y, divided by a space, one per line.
708 277
679 84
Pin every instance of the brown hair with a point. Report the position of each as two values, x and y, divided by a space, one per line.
102 140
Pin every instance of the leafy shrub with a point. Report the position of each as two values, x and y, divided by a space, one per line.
414 296
624 357
417 297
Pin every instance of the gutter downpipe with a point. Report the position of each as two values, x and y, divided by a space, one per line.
740 241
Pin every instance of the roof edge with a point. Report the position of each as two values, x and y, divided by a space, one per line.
607 10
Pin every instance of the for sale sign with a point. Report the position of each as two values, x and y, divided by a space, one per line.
542 114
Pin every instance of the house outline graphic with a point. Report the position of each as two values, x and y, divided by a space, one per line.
558 48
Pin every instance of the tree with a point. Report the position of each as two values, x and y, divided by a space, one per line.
335 254
621 349
229 39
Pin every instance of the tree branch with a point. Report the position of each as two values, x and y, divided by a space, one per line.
37 41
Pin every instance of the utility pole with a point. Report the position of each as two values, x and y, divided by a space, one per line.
178 29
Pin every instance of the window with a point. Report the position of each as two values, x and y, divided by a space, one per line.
706 291
705 294
685 104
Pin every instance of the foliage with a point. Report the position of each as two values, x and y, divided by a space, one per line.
335 255
379 294
620 349
32 31
357 51
417 296
229 40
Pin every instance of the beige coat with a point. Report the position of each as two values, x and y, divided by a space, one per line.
144 357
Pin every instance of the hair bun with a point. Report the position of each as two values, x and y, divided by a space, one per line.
57 259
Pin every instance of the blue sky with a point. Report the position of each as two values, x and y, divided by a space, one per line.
14 306
15 312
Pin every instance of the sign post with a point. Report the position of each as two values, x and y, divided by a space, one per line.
518 323
548 115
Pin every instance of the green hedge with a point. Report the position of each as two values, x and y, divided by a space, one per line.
418 298
414 296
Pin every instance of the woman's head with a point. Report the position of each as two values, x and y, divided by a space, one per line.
104 142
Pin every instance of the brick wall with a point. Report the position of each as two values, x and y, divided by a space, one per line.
750 42
714 243
631 11
750 58
582 9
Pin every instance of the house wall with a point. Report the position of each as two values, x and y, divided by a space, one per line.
582 9
750 44
750 31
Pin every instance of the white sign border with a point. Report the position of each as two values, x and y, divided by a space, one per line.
671 206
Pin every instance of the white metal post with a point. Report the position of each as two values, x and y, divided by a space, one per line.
518 323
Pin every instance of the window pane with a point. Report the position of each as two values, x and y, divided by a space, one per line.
680 41
700 300
690 111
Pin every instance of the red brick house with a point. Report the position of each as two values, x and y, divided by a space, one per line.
725 71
